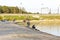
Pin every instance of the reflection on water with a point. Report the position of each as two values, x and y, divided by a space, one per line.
55 30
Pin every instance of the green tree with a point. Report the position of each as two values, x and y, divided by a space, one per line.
16 10
1 9
5 9
22 10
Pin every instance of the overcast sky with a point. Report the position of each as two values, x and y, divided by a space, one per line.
33 5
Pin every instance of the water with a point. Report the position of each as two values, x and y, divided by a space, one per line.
55 30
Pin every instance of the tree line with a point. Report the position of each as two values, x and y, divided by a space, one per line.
10 9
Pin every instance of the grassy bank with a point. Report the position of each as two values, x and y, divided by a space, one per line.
31 16
11 17
37 19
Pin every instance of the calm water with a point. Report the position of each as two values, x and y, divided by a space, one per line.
55 30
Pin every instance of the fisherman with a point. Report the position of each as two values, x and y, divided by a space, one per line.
28 23
33 26
24 21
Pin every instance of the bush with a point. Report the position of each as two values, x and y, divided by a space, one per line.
11 18
22 17
1 18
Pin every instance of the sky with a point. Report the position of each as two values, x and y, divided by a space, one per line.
34 5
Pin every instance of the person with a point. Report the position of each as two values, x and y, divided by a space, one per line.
33 27
24 21
28 23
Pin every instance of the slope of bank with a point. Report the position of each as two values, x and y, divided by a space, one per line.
11 31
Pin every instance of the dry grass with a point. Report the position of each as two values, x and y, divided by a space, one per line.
43 22
49 22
